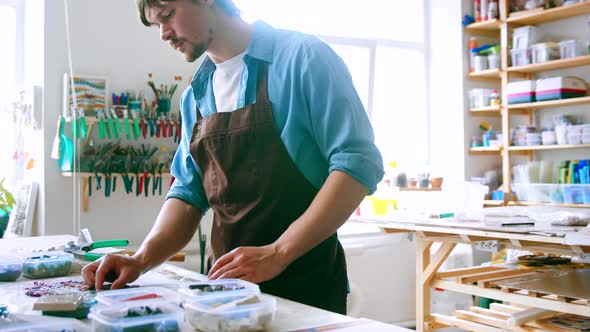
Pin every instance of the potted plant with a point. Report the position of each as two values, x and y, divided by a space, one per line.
7 202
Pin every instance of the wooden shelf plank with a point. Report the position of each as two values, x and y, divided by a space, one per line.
523 203
492 149
486 74
489 28
552 65
549 15
548 147
489 202
416 189
551 103
486 109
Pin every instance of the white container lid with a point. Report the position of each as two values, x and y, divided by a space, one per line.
218 288
136 294
123 315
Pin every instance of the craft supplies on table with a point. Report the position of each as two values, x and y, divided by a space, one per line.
231 314
35 323
152 315
47 265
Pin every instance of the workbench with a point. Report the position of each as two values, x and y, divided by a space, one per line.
290 316
478 281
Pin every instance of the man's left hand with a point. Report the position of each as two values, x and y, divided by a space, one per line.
254 264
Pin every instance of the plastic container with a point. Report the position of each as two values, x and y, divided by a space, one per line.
493 61
151 315
136 294
480 62
533 139
586 191
521 191
47 265
30 323
585 138
10 269
206 315
479 97
574 138
573 193
520 57
544 52
548 137
218 289
572 48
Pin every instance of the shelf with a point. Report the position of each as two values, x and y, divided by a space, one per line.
488 110
549 15
486 28
493 149
489 202
551 103
552 65
486 74
549 204
548 147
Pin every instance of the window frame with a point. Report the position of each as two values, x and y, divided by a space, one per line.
372 44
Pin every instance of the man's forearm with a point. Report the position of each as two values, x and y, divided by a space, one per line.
335 202
174 228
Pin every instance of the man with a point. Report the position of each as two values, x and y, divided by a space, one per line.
275 141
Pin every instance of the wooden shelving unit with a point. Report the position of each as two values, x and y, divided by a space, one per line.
502 29
550 15
550 103
548 147
552 65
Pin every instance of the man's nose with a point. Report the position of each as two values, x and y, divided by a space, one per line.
165 32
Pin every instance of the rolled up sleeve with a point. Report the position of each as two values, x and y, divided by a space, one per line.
188 185
339 123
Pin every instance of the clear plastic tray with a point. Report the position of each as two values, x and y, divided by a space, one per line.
151 315
47 265
136 294
10 269
209 315
29 323
218 289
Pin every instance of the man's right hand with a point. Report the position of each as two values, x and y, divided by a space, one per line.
117 269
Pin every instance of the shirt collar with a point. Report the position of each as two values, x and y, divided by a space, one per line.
261 47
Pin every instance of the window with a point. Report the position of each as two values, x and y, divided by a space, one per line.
382 43
11 69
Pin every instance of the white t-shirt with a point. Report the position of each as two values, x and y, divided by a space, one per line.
226 83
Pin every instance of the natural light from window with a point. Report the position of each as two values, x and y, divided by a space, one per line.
382 43
7 80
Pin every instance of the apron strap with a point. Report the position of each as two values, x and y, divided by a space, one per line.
262 84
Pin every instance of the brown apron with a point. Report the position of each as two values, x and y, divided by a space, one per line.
256 192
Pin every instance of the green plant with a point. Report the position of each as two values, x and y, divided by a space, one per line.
6 199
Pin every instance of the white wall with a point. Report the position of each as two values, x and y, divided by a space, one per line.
107 40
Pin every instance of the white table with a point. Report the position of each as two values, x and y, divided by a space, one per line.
290 315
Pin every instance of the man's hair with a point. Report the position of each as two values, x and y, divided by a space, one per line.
226 5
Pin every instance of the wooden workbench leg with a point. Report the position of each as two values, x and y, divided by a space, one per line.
422 284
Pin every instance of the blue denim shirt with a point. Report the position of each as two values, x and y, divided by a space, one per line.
318 113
